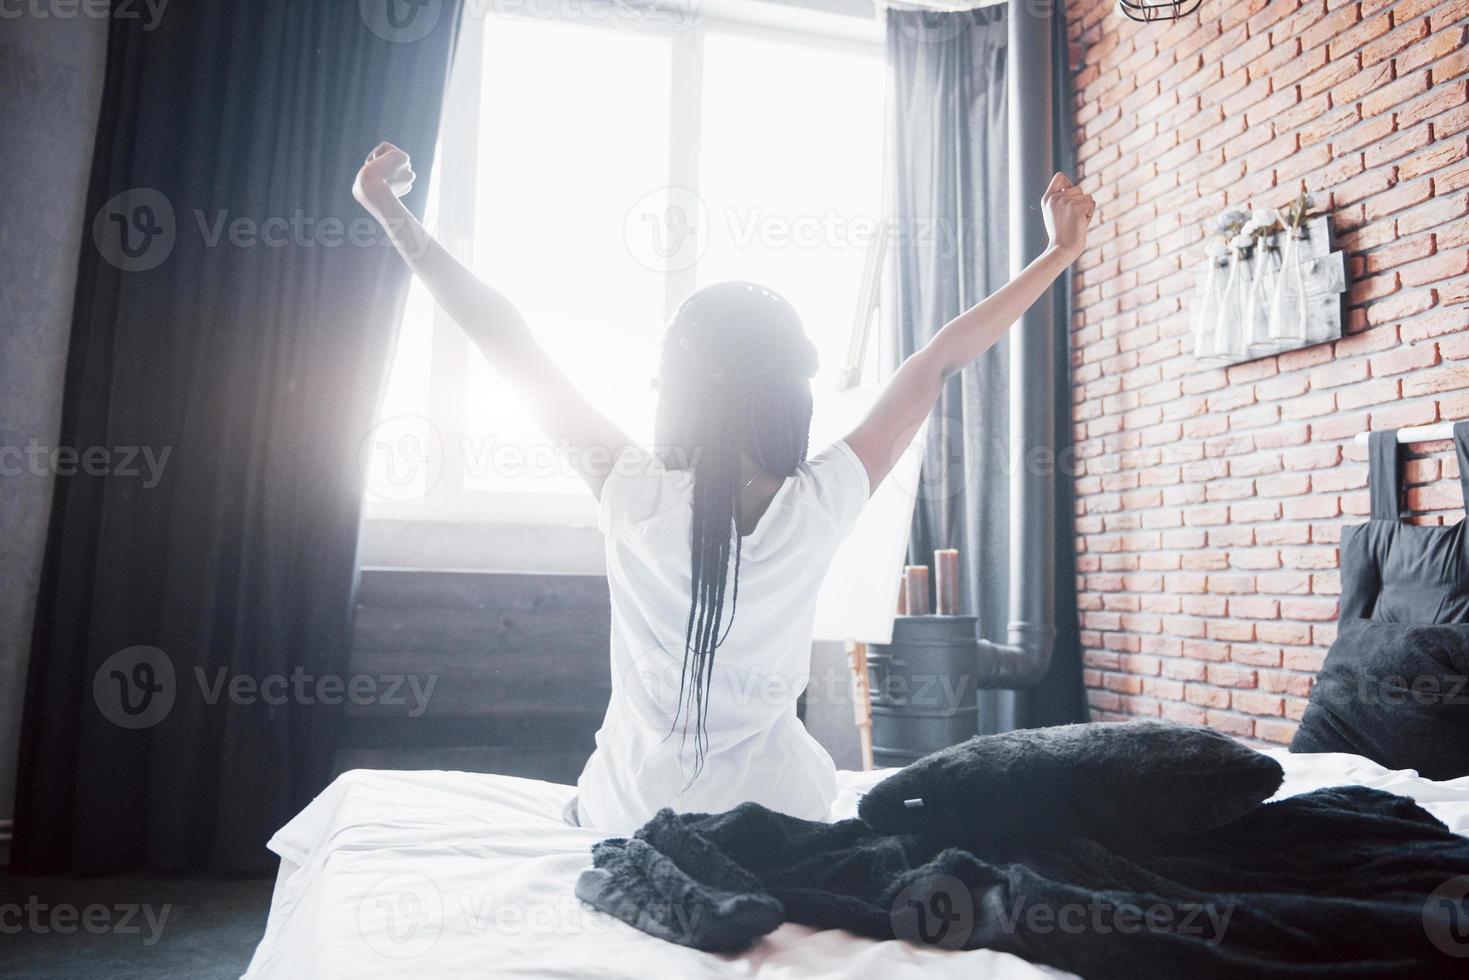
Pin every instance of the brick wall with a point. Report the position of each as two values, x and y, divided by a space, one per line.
1210 501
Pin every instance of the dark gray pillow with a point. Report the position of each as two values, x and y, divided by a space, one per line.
1112 782
1397 693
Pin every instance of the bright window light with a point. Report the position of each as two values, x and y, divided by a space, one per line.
575 131
790 167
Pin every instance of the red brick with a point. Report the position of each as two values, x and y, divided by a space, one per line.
1446 14
1402 143
1443 266
1390 97
1252 703
1275 731
1410 34
1440 99
1323 29
1231 724
1403 359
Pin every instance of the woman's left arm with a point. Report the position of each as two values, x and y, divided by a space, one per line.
914 388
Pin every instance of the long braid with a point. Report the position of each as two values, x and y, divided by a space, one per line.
712 538
734 383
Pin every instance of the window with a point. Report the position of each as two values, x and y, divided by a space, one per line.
597 170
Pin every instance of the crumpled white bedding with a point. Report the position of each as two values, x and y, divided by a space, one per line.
445 874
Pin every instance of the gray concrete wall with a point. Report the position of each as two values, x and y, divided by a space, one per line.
51 72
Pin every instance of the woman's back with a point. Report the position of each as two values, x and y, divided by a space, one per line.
757 749
733 392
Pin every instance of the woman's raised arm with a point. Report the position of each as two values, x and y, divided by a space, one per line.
587 438
914 388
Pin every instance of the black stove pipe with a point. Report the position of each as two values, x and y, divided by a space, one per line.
1031 633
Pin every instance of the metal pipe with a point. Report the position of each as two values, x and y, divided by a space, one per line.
1031 633
1442 432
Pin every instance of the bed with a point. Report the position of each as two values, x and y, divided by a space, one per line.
445 874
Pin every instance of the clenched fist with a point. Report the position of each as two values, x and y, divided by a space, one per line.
386 174
1068 211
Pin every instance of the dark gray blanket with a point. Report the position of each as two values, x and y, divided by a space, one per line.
1345 882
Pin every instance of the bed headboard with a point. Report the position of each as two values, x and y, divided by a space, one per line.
1390 689
1404 573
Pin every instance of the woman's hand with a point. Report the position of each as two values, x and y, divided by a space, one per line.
1068 210
910 395
387 174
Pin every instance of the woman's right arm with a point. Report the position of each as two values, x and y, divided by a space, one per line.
589 440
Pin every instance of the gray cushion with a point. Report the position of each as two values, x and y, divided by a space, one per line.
1122 782
1396 693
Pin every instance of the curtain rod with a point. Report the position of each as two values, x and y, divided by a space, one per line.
938 6
1441 432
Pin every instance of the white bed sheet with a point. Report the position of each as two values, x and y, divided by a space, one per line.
448 874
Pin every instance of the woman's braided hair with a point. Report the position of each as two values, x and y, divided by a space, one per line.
734 379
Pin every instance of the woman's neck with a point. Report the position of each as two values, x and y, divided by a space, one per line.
758 488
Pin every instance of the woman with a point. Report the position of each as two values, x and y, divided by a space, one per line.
718 541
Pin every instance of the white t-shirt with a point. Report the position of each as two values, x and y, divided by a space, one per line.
757 750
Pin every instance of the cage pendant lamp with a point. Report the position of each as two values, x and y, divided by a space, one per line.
1146 12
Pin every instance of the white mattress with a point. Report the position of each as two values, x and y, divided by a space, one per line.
445 874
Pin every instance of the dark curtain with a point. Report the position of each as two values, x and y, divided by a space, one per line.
949 201
243 327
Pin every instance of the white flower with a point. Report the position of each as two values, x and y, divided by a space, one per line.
1216 249
1264 217
1229 218
1241 242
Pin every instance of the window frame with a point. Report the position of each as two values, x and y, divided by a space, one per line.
456 175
